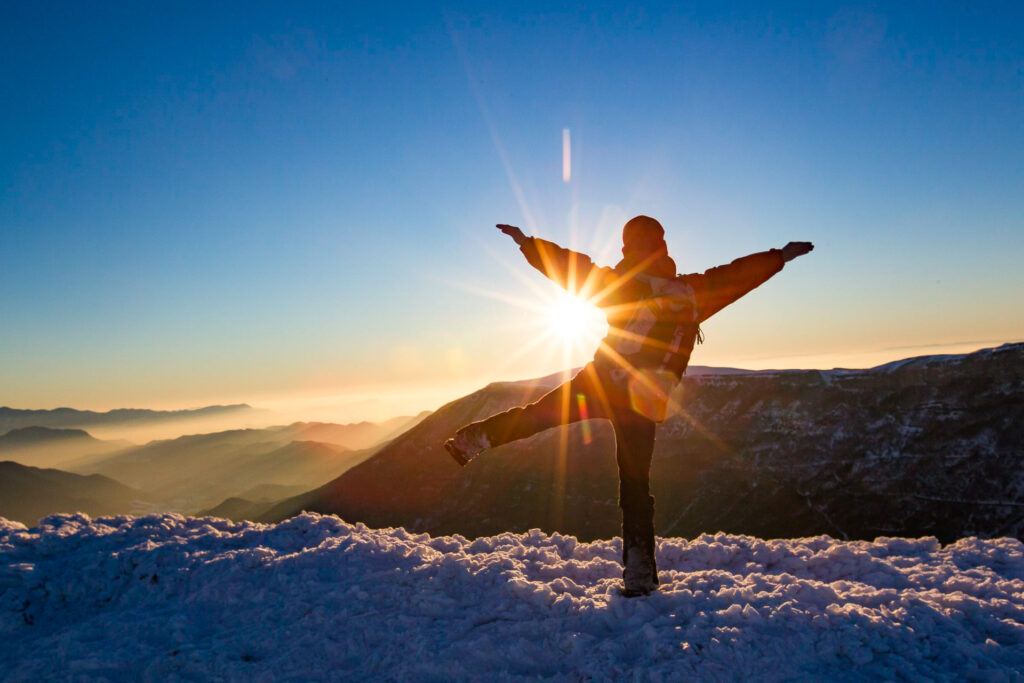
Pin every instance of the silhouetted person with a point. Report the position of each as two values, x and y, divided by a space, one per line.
653 322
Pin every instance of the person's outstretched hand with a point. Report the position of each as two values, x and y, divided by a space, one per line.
794 249
513 232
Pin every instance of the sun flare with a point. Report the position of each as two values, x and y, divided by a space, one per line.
573 320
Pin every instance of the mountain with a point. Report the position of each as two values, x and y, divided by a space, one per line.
924 446
356 436
48 447
252 503
14 418
36 436
196 472
30 493
423 481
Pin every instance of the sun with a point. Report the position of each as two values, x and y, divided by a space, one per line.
574 321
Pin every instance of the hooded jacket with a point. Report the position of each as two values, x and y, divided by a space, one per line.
653 313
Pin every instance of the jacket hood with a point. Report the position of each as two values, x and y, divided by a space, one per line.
661 266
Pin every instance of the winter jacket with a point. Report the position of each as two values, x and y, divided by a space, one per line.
653 319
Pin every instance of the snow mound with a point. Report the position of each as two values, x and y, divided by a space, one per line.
167 596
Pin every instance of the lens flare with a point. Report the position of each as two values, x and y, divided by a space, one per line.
566 156
574 321
581 403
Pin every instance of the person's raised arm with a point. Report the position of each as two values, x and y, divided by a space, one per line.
568 269
718 287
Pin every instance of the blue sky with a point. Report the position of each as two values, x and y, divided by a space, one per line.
266 203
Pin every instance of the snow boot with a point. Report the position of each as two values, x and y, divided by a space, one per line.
467 443
639 573
639 568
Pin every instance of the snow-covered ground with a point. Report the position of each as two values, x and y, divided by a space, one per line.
169 597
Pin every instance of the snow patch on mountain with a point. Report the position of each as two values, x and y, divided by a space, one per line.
167 596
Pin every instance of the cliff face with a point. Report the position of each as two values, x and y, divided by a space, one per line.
929 446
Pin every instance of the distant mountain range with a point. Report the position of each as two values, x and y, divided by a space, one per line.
195 472
14 418
925 446
29 493
192 473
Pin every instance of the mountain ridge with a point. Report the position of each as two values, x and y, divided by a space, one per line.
13 418
789 452
36 434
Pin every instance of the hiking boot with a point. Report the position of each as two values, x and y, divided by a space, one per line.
639 577
467 443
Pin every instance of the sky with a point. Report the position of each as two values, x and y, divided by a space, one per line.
293 204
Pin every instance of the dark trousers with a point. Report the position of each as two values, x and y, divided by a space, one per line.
589 395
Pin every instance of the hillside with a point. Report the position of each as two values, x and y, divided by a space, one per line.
237 508
175 598
29 493
927 446
195 472
356 436
412 478
35 436
49 447
200 471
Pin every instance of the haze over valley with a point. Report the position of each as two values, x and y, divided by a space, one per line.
186 474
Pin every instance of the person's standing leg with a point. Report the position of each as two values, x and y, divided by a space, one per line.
634 447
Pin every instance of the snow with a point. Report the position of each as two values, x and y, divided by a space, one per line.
920 361
171 597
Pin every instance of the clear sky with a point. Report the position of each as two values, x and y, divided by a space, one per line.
293 203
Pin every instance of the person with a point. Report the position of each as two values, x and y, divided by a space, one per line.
654 318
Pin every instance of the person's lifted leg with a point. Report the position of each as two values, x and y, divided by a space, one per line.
581 398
